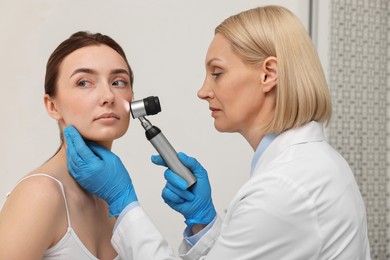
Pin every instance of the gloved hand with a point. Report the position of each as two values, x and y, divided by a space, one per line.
99 171
195 203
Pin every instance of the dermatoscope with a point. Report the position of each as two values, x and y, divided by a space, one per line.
151 106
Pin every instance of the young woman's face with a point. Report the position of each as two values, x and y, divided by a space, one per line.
93 93
232 88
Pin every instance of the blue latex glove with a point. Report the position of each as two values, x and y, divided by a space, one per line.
99 171
195 203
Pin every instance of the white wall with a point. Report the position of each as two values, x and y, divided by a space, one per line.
166 42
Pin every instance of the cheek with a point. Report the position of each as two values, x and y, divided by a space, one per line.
76 112
230 101
241 102
123 104
125 107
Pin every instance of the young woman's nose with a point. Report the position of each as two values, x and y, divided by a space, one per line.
106 94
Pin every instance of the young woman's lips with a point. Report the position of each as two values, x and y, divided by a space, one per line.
107 118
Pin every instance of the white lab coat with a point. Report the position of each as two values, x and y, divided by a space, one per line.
302 202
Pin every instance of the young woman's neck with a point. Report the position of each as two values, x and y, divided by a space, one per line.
106 144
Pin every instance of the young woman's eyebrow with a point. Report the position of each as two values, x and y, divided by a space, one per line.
120 71
83 70
94 72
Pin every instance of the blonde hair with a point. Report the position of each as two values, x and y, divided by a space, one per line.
302 93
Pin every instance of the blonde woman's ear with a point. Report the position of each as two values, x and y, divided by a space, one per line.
51 107
269 77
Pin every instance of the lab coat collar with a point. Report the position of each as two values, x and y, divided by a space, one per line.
265 142
310 132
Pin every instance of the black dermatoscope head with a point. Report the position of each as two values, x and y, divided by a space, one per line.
145 107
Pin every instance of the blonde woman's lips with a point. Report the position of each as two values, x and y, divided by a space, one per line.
214 111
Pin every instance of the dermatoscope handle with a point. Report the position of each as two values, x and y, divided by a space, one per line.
168 153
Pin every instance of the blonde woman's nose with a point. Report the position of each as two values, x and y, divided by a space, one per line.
205 92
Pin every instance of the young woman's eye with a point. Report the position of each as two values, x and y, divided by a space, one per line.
120 83
84 83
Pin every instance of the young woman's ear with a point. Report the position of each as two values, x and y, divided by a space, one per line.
51 107
269 73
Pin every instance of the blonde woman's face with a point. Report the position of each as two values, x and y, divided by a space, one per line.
232 88
94 93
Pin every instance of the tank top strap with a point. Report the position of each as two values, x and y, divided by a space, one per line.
62 190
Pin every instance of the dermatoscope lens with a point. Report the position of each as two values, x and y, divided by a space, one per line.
152 105
145 107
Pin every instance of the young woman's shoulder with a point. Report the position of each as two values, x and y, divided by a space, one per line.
39 188
30 217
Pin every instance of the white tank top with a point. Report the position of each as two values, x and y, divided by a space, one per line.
70 246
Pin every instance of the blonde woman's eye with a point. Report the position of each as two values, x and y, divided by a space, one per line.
120 83
216 73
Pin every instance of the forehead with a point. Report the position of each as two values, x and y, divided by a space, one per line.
220 50
94 56
218 46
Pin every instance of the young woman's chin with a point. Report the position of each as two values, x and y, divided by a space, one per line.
102 135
